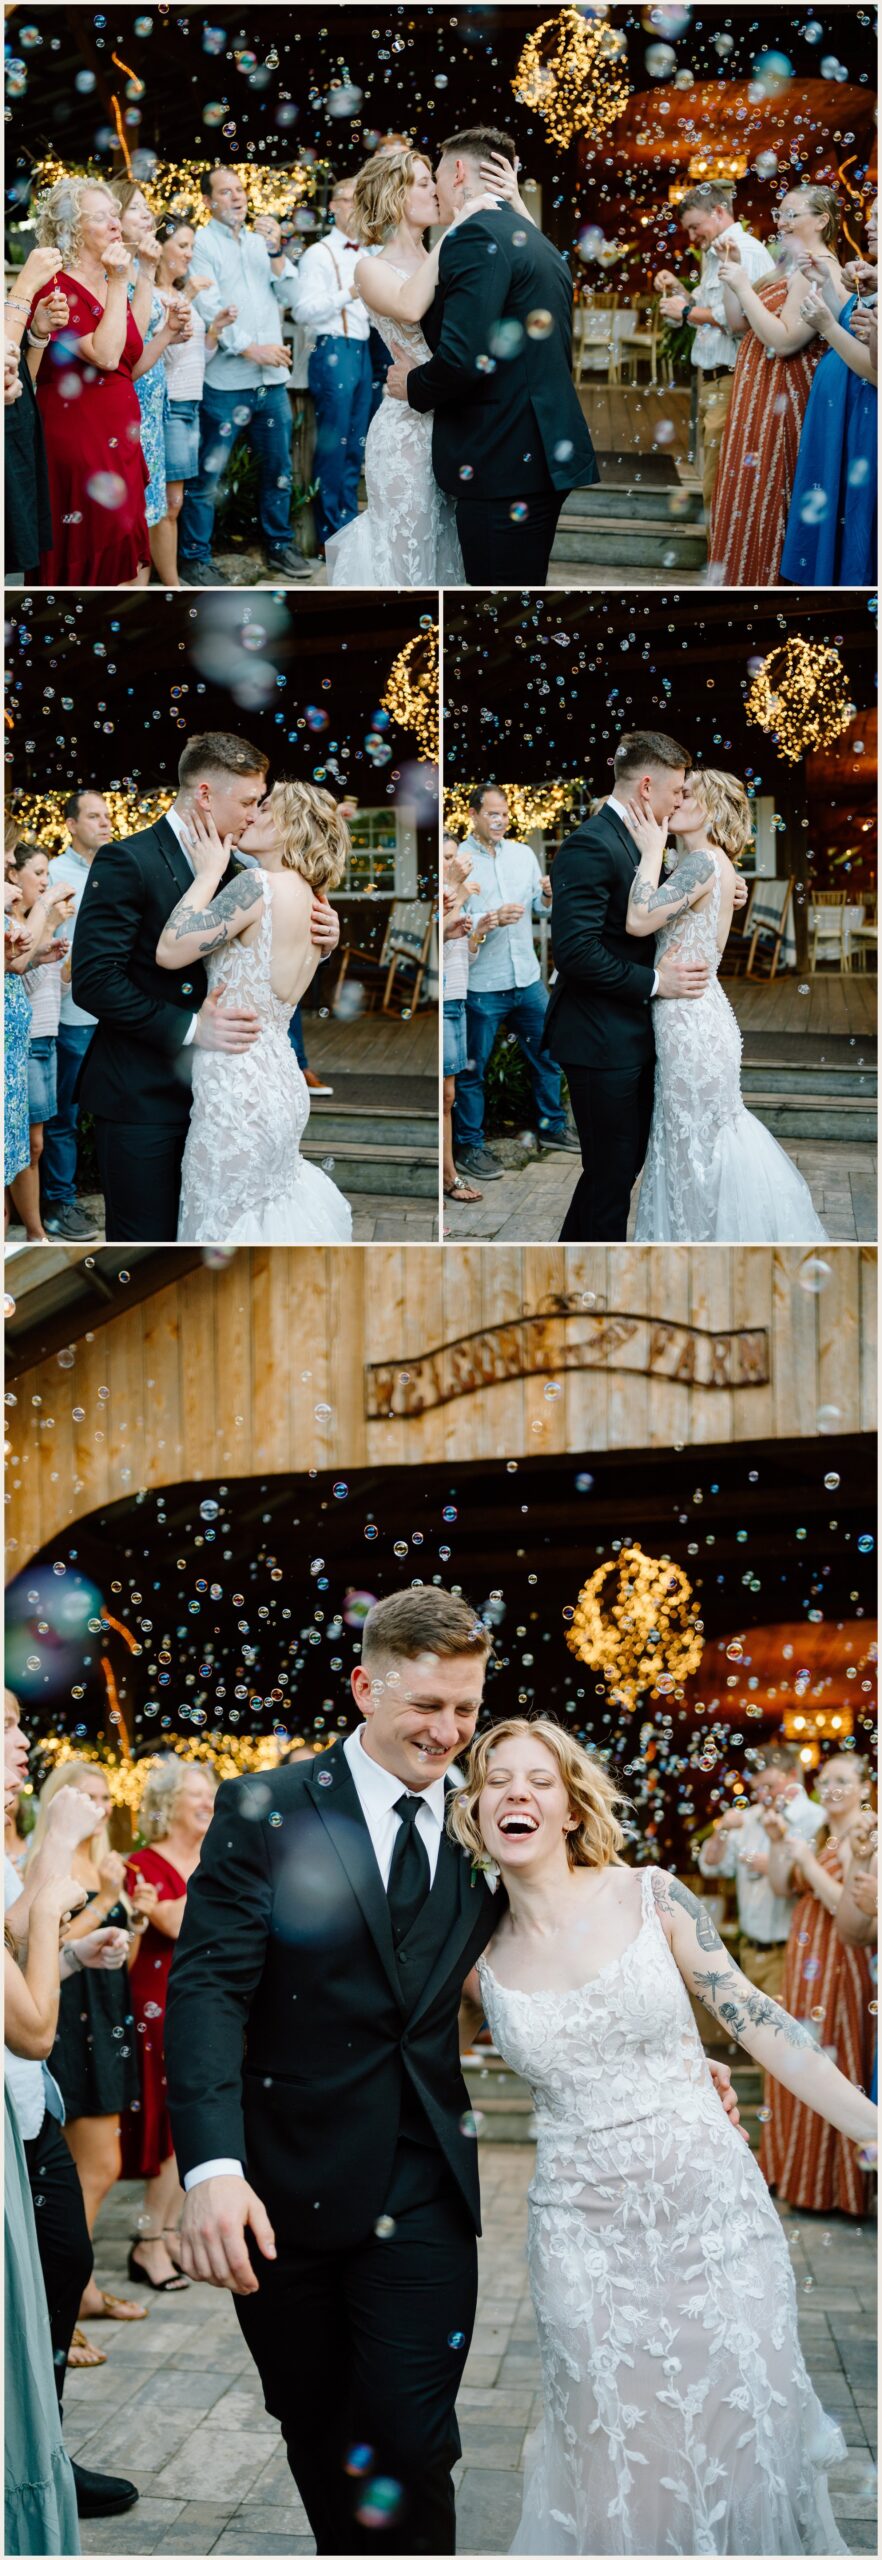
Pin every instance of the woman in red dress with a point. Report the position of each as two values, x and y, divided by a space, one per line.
828 1982
176 1809
88 401
770 390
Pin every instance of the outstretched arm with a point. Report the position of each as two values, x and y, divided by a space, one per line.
399 297
780 2044
194 929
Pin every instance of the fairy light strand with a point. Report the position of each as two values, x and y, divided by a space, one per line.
636 1621
800 697
573 73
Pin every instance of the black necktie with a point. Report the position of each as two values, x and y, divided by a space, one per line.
409 1874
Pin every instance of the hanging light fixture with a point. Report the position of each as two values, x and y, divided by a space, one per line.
636 1621
411 696
800 697
573 72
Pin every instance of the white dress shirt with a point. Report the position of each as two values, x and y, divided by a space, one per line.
713 343
507 874
72 867
763 1915
324 298
377 1790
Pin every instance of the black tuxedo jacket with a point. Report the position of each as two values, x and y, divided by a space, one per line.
599 1010
516 428
137 1067
295 2040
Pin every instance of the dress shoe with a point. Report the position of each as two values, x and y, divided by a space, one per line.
99 2493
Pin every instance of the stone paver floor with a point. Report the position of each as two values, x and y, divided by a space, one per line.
177 2406
528 1205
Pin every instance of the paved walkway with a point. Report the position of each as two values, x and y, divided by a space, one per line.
529 1206
177 2406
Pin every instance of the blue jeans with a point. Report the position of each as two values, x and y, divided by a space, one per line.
263 417
295 1035
523 1009
58 1163
341 382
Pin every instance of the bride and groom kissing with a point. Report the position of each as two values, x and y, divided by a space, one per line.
638 1020
480 434
351 1919
193 963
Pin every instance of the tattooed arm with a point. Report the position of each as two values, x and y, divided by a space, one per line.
654 902
194 929
779 2043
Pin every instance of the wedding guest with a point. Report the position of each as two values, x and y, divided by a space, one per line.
164 322
813 2168
88 401
185 360
93 2057
176 1809
771 391
28 513
38 906
89 825
340 370
245 384
707 215
831 532
40 2497
505 984
455 945
739 1846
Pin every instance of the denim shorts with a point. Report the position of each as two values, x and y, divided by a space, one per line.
41 1077
182 440
455 1051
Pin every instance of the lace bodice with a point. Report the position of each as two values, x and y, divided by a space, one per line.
695 933
242 970
401 333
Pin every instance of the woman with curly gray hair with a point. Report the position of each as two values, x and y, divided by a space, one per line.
87 397
176 1809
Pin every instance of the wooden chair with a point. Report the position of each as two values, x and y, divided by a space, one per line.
865 937
640 338
402 957
735 957
827 928
595 348
770 906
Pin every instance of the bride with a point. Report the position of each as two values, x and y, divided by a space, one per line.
244 1180
407 535
678 2416
713 1172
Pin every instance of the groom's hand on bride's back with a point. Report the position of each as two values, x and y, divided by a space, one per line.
679 978
220 1026
211 2242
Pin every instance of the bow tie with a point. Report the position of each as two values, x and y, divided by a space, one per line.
352 244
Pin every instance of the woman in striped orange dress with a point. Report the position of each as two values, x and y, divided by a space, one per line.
770 390
809 2165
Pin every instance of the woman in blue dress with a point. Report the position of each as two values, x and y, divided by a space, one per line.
162 324
831 529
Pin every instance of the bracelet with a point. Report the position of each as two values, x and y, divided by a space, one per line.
37 338
14 303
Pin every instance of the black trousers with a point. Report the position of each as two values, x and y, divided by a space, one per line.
62 2235
612 1109
140 1168
361 2353
502 548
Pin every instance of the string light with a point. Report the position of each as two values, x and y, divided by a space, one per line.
411 696
175 185
573 71
40 814
800 697
231 1755
531 805
636 1621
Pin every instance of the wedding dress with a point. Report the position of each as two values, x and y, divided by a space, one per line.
713 1173
244 1180
407 535
678 2413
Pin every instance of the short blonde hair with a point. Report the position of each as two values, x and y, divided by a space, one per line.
60 213
68 1773
729 821
380 191
593 1794
159 1802
315 838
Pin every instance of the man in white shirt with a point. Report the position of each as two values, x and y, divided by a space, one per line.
246 382
340 373
89 825
505 984
739 1847
707 216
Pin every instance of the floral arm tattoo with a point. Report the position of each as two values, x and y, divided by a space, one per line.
674 895
213 924
723 1987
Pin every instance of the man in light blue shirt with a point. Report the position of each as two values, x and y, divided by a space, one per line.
505 984
245 382
89 822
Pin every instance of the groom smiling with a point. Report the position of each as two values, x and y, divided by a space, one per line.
509 435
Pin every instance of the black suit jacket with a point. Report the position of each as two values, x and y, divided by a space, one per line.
517 428
599 1010
137 1067
290 2042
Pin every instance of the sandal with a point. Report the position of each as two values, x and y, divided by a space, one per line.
114 2306
139 2275
81 2353
459 1189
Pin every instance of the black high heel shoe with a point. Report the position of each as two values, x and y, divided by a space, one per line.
139 2275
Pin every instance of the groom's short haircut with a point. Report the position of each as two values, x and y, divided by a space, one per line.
408 1623
476 141
218 752
640 747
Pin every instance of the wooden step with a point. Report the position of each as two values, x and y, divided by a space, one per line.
617 541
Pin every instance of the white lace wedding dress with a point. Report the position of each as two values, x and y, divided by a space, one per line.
406 536
713 1173
679 2416
244 1180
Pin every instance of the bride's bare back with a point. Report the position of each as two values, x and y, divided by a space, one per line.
294 959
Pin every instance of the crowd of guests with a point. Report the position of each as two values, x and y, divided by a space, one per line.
785 357
493 891
140 354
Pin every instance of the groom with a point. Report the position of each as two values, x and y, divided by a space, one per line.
135 1078
509 436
